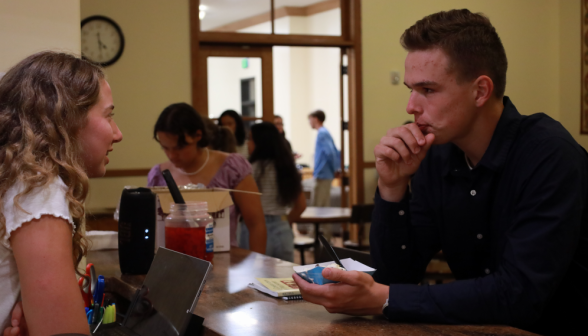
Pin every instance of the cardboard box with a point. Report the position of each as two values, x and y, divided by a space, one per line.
219 202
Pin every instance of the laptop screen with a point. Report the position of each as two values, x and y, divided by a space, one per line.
169 294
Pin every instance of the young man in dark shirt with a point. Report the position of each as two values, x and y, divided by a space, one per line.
504 196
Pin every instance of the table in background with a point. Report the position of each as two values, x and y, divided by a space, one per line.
323 215
231 308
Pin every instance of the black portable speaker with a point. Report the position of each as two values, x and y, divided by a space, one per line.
136 230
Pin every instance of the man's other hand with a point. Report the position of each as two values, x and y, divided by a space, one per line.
356 293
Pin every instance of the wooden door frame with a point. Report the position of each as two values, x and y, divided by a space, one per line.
200 90
350 39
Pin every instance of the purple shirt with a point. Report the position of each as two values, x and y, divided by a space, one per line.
230 174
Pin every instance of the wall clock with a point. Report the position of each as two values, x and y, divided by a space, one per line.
102 40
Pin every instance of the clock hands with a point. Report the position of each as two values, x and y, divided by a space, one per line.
100 44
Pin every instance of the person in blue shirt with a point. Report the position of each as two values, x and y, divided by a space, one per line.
326 163
503 195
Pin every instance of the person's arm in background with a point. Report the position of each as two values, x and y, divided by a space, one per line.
250 207
297 209
321 154
51 298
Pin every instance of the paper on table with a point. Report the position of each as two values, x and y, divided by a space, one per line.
313 274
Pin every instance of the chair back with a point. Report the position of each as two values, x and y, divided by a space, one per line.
343 253
362 213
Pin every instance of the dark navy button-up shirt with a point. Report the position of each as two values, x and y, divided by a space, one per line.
514 231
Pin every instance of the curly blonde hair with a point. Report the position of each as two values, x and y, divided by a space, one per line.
44 102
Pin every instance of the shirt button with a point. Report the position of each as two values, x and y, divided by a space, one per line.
401 212
403 247
487 271
473 193
479 236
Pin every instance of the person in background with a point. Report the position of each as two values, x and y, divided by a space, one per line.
326 163
233 121
221 138
279 181
279 123
56 130
182 134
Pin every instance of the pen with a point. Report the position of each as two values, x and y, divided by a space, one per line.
96 313
330 250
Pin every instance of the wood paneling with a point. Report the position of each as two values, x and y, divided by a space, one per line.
356 182
369 164
127 172
273 40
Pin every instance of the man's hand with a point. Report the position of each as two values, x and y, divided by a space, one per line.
356 293
18 323
398 156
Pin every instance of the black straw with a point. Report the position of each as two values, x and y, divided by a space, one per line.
173 187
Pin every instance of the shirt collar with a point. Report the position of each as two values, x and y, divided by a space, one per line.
502 139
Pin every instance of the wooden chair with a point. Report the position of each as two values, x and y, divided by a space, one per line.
361 214
301 243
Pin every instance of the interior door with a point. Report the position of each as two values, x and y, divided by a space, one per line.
235 78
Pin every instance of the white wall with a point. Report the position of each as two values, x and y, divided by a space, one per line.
30 26
224 84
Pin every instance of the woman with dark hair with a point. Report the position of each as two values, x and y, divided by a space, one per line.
182 134
221 137
56 129
233 121
281 186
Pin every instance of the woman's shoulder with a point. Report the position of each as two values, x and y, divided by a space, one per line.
237 160
233 170
154 177
49 199
52 187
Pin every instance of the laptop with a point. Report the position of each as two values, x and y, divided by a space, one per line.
164 304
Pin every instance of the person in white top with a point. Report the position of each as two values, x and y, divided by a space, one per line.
56 129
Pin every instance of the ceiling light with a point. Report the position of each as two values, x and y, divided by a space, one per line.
202 7
201 14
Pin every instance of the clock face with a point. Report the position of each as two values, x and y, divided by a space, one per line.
102 40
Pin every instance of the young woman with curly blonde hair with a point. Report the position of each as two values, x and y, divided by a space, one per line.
56 130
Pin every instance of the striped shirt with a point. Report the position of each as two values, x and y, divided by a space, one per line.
267 184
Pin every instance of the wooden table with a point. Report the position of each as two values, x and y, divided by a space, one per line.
231 308
323 215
